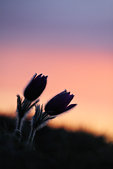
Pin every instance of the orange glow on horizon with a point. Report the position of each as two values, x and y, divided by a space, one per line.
89 76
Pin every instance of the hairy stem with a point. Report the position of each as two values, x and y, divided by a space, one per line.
19 124
31 135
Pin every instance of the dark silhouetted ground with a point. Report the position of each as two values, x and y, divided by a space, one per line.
53 149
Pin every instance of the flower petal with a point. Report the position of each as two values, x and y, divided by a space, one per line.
70 106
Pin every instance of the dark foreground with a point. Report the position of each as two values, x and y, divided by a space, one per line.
53 149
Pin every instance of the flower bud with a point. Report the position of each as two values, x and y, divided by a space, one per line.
35 88
59 103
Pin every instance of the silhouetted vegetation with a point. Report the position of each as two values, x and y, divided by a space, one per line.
52 148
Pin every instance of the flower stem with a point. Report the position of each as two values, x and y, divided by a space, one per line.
31 135
18 126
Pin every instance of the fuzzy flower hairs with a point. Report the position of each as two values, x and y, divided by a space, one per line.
55 106
33 90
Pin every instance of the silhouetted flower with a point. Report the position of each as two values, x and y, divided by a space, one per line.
35 87
31 93
59 103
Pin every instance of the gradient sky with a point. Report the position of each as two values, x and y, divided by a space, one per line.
71 41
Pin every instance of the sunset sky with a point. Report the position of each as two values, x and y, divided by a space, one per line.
71 41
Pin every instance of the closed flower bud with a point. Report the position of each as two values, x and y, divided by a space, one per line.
60 103
35 87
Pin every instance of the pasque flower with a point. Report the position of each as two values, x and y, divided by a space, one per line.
31 93
56 106
35 87
59 103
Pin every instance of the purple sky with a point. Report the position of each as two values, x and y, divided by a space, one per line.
58 22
